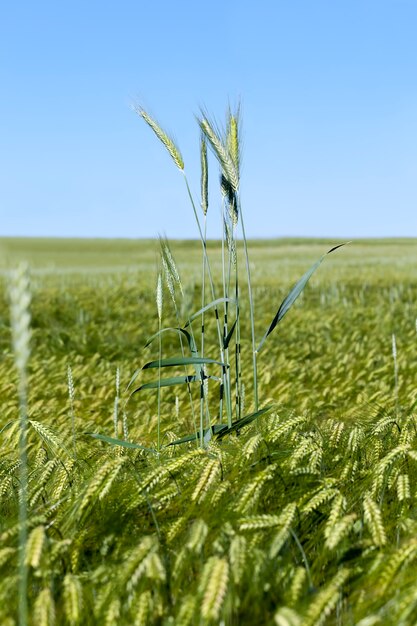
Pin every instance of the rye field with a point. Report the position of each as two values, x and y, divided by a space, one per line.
208 433
304 515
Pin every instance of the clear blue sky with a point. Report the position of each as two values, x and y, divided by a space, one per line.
329 100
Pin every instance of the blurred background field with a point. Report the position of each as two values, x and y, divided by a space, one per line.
94 307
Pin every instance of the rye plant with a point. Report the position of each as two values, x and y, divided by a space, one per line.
225 144
225 302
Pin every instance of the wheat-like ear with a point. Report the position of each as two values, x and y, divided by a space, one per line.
208 476
113 613
326 600
403 487
395 563
250 493
357 435
231 244
154 568
185 615
163 137
73 599
337 509
286 520
339 530
49 436
143 607
297 583
35 546
197 536
204 174
321 497
338 428
42 480
221 152
285 428
170 266
233 138
373 519
159 297
238 555
306 447
258 522
6 554
44 609
19 292
135 566
101 483
407 609
287 617
214 578
250 447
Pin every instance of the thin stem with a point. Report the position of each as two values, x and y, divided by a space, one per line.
204 206
225 325
72 412
304 557
159 386
190 395
252 315
213 293
23 499
203 288
237 345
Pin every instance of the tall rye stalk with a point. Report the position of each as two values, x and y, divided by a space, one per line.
71 395
19 291
225 145
395 359
159 302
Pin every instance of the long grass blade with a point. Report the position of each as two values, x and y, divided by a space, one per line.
119 442
175 380
244 421
294 293
208 306
213 430
221 430
190 338
177 360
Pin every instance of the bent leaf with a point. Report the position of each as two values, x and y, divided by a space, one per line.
208 306
190 340
243 421
213 430
294 293
119 442
221 430
175 380
182 360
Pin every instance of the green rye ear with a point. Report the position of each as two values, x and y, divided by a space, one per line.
168 142
221 152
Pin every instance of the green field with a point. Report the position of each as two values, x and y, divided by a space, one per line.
305 516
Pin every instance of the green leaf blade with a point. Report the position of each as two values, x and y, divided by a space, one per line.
295 292
119 442
207 307
180 360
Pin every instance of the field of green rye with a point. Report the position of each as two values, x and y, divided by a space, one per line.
306 515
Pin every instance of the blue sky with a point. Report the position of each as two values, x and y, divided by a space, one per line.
329 102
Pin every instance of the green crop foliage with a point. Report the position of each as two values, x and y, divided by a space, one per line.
304 516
